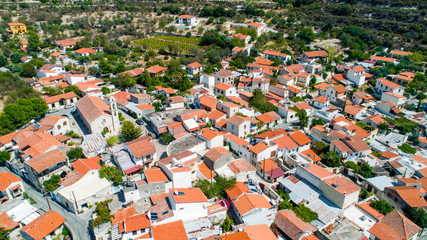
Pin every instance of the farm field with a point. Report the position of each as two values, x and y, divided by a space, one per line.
165 42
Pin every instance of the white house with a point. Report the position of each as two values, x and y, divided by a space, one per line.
208 81
188 19
90 188
223 76
72 79
61 100
10 186
394 98
253 209
273 54
142 151
384 85
49 70
320 102
225 89
357 75
176 102
55 124
194 68
188 203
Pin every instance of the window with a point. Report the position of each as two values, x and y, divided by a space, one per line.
135 232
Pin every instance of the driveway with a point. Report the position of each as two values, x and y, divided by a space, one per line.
78 227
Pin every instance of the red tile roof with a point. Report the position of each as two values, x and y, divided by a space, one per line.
260 232
46 160
316 170
300 138
206 172
342 184
85 50
156 69
241 165
320 53
208 102
165 231
66 42
384 59
142 147
291 225
43 225
394 226
137 222
59 97
7 222
6 179
92 107
250 201
411 195
155 175
370 210
85 165
237 190
187 195
215 153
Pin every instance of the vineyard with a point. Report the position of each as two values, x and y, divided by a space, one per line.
165 42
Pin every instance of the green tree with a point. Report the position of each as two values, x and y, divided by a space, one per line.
4 156
75 153
418 216
365 194
227 224
51 184
421 96
382 206
217 188
130 131
111 174
74 89
406 148
4 234
317 121
112 140
166 137
305 213
303 117
103 214
3 60
261 104
105 90
15 57
33 41
331 159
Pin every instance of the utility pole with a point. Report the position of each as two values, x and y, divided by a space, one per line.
44 193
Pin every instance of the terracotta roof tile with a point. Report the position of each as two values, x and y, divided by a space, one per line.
291 225
215 153
46 160
208 102
156 69
300 138
238 189
394 226
6 179
236 236
187 195
154 175
136 222
59 97
260 232
320 53
142 146
411 195
43 225
241 165
206 172
7 222
165 231
250 201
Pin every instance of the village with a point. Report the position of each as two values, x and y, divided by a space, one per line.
280 147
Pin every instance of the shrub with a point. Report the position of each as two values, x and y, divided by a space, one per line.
305 213
406 148
382 206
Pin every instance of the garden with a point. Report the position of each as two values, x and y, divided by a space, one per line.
168 43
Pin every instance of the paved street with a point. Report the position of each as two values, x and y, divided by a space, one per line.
77 226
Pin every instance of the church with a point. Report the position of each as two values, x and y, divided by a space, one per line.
97 116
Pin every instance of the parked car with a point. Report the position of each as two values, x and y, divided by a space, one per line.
139 122
52 111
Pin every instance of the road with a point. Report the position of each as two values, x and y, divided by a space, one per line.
77 226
